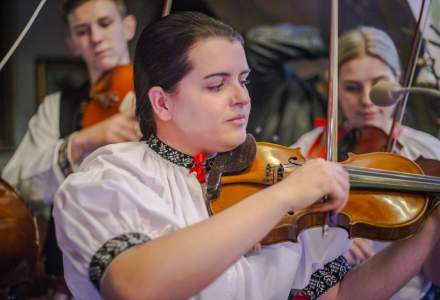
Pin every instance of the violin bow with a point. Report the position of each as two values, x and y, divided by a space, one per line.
332 107
25 30
409 72
167 4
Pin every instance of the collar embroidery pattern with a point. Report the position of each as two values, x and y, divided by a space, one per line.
173 155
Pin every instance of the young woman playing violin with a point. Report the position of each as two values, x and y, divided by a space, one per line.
133 221
367 55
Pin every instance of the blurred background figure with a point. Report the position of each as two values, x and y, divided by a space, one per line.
58 139
366 56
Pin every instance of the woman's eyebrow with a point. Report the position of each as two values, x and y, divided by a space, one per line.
222 74
226 74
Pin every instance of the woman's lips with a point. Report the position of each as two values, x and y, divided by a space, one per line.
238 120
368 115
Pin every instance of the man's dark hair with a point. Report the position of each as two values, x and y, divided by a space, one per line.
161 56
70 5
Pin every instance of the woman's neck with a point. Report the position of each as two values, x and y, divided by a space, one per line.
178 141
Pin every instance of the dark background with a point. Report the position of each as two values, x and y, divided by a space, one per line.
44 41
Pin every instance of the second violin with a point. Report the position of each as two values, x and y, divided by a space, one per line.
107 95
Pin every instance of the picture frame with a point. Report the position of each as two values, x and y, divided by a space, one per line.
58 73
6 109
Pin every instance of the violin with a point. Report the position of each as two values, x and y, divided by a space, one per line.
18 236
388 198
109 92
107 95
373 139
358 141
366 140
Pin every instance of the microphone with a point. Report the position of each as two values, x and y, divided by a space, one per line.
386 93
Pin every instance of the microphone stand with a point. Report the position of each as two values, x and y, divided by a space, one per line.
409 74
427 91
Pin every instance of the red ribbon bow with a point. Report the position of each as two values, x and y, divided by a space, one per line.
198 167
300 297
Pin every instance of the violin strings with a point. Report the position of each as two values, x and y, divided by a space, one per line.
380 179
390 180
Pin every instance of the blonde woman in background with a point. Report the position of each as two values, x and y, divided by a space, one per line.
366 56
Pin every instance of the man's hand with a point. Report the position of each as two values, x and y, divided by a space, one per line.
122 127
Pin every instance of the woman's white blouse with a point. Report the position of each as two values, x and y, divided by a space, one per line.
129 189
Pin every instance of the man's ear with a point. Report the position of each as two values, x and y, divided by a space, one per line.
130 24
160 102
71 45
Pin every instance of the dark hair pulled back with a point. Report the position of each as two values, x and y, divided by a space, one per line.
161 56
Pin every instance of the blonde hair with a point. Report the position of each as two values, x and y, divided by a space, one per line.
369 41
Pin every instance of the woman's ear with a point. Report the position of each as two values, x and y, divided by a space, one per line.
130 23
159 100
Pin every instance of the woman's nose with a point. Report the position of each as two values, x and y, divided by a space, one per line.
365 97
241 95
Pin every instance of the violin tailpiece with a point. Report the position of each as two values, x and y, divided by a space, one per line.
238 159
227 163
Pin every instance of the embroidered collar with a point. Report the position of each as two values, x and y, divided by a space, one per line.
173 155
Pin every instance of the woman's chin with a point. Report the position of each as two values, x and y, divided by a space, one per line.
230 142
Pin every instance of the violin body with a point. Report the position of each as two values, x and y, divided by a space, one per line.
107 94
373 139
359 141
372 212
18 238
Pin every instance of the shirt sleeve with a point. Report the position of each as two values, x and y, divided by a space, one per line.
271 272
417 143
306 141
101 212
34 169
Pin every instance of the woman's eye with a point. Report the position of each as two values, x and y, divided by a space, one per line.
352 88
216 88
245 82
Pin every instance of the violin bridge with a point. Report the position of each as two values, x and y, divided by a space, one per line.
268 174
